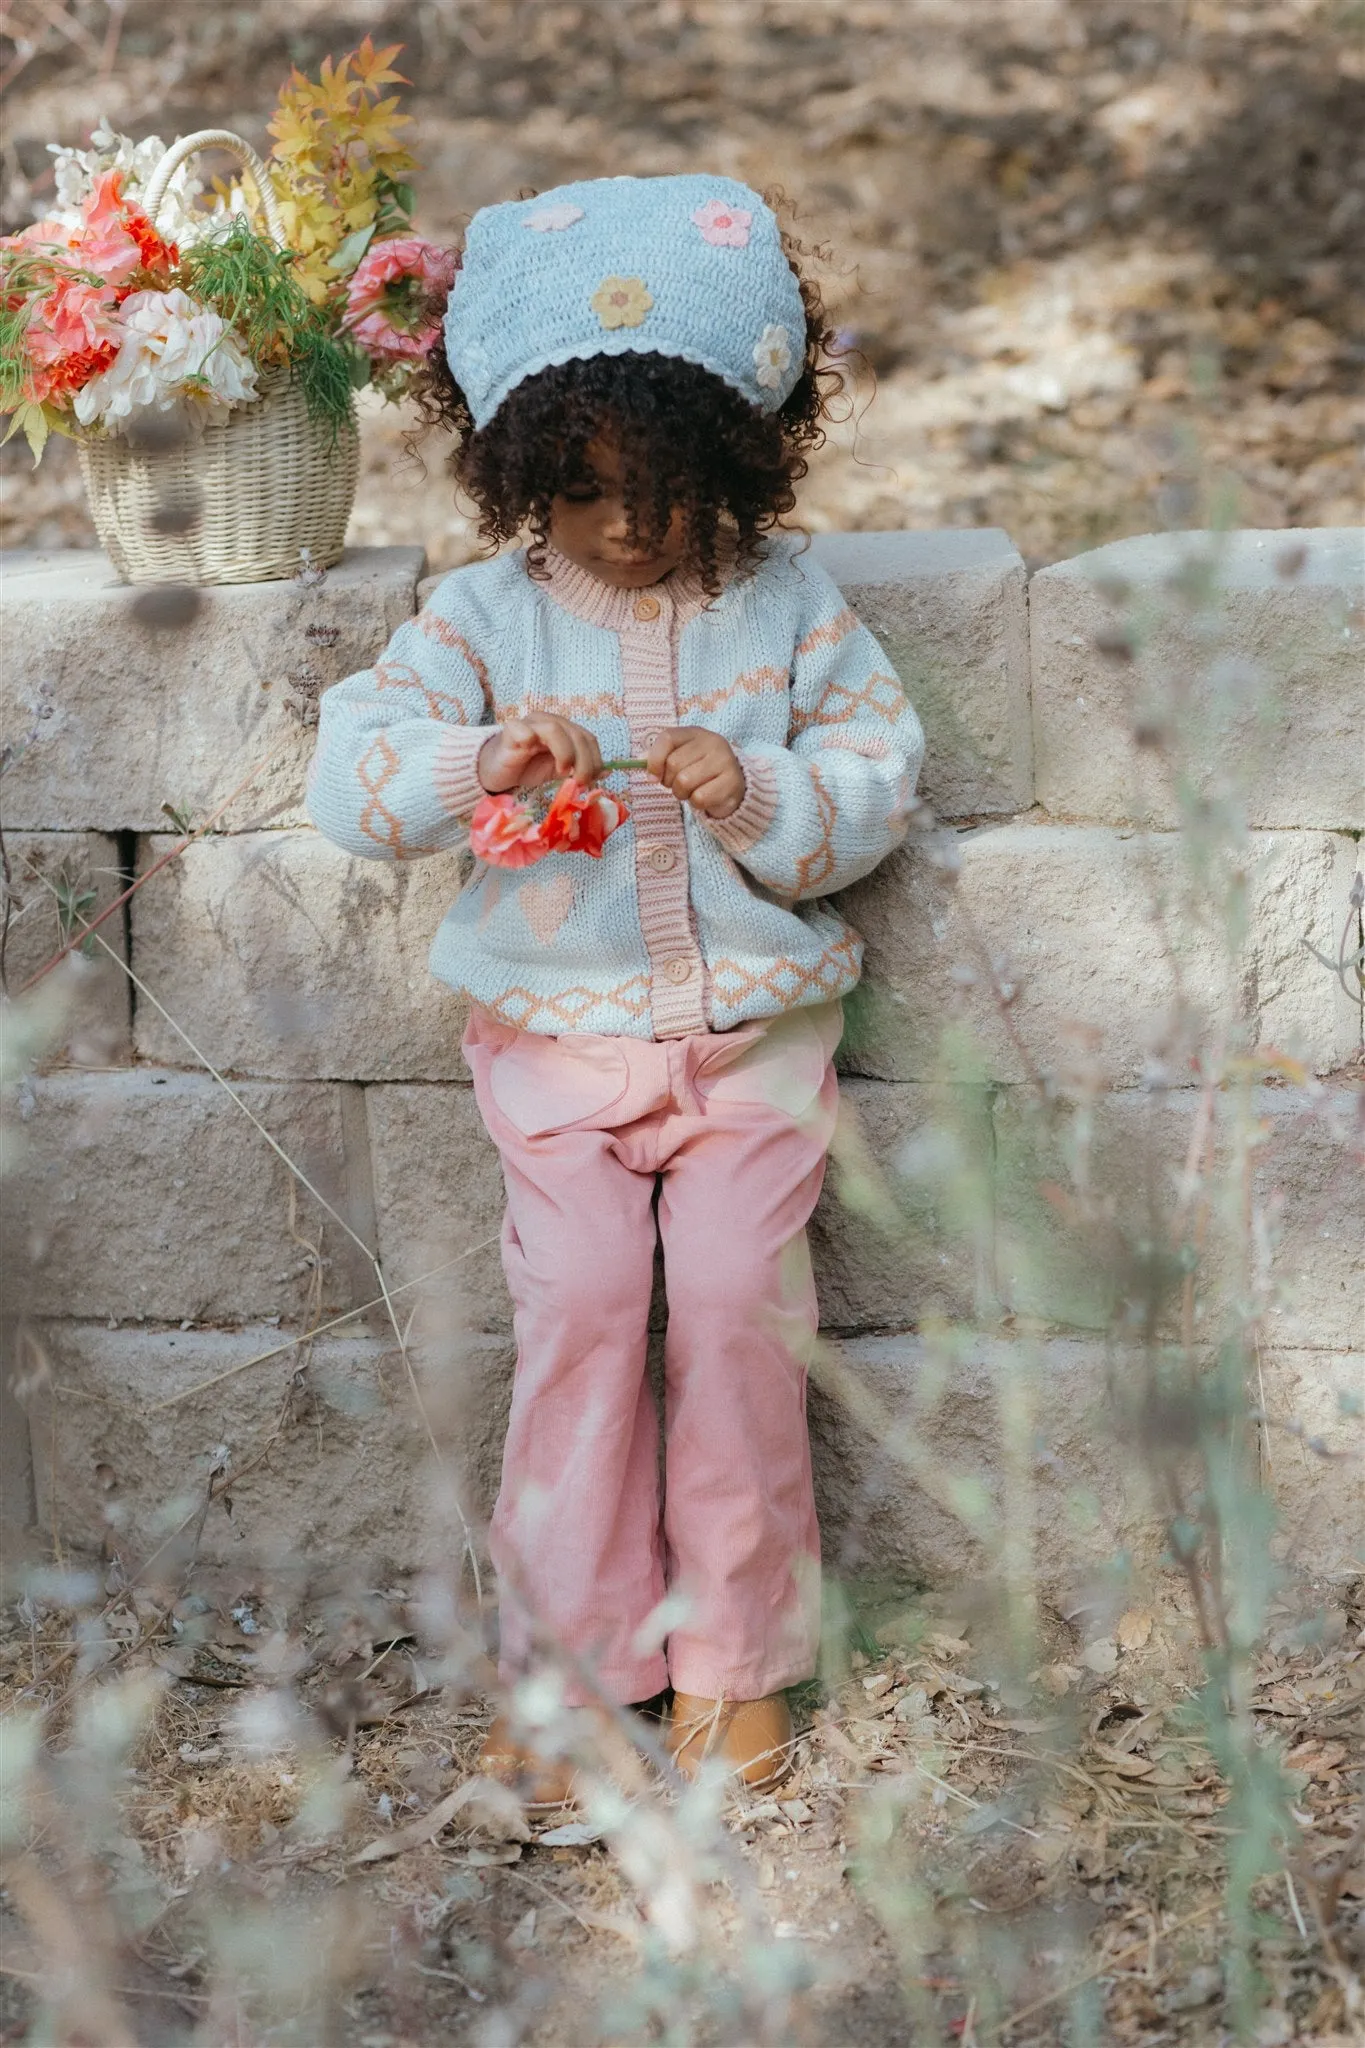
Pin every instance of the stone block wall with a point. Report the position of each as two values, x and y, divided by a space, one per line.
164 1270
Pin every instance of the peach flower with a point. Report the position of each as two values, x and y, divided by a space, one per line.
503 833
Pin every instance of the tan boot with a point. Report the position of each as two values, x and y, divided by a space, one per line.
752 1738
547 1785
543 1784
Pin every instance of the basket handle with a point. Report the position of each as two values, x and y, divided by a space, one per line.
217 138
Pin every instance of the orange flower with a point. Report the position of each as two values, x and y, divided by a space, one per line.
581 820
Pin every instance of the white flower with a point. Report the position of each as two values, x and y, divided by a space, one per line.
549 220
174 349
773 357
180 216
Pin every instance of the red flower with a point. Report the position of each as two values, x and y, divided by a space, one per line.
581 820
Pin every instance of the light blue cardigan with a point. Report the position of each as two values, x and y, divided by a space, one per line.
684 924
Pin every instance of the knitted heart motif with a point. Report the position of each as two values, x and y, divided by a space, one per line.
545 905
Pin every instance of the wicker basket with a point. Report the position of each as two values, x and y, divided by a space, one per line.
238 500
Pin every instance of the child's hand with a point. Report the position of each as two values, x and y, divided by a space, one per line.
700 768
530 751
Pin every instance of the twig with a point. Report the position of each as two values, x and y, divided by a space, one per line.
1102 1969
1294 1906
319 1330
112 35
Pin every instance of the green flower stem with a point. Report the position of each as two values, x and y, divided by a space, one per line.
621 767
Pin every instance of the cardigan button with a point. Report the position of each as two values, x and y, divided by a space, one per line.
678 970
661 858
647 609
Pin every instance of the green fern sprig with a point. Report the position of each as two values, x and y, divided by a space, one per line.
251 285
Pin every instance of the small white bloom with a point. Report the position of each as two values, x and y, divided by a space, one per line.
550 219
180 216
174 349
773 357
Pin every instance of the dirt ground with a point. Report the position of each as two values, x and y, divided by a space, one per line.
1070 1836
1103 264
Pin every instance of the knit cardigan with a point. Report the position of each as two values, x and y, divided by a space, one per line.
686 923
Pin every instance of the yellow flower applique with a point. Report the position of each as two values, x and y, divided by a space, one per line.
621 301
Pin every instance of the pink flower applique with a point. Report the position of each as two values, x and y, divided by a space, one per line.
549 220
725 227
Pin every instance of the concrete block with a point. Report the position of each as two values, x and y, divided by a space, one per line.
951 610
81 1012
348 1457
123 717
151 1194
1247 676
281 955
899 1433
902 1230
1084 926
1314 1452
1302 1263
438 1194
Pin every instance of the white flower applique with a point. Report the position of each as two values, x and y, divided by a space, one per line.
773 357
549 220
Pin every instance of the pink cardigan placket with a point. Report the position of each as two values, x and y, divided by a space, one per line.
648 624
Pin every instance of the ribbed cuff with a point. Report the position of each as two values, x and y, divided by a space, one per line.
746 826
456 770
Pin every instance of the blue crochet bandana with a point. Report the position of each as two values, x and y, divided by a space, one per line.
687 266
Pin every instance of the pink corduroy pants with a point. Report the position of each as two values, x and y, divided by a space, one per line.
724 1136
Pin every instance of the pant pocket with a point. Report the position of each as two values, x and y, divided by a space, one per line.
543 1084
784 1069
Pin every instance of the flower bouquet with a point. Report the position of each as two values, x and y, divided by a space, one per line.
207 365
515 831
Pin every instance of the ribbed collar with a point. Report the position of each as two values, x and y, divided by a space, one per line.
680 595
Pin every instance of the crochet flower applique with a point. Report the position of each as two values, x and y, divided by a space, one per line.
550 220
621 301
772 357
725 227
506 833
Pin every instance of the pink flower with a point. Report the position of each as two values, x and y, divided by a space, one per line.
392 299
503 833
72 335
115 239
726 227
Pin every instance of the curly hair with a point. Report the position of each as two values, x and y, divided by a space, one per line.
687 441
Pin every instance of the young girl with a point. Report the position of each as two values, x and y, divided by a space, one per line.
631 366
